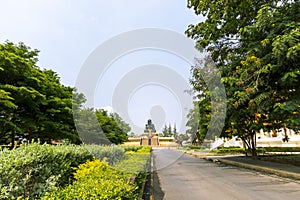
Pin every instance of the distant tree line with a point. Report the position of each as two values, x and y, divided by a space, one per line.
169 132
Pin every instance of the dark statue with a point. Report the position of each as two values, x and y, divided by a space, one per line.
149 127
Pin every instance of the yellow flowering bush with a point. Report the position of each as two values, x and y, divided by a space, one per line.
97 180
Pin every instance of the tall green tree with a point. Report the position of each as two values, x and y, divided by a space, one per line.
113 130
121 123
88 127
268 75
219 33
175 134
169 131
256 46
165 131
193 124
206 119
34 103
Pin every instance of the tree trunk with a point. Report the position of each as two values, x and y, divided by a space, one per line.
12 140
245 147
250 145
253 145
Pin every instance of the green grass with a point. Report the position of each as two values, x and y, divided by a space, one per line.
235 150
281 149
285 159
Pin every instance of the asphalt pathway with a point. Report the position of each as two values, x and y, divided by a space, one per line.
178 176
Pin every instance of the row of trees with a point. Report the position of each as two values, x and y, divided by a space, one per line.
34 104
255 45
169 132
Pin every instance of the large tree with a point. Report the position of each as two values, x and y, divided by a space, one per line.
207 117
219 33
88 127
255 44
34 104
115 129
268 75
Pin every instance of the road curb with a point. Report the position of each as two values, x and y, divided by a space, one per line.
278 172
151 177
196 154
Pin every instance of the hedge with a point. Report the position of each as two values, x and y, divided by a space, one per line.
113 154
33 170
97 180
281 149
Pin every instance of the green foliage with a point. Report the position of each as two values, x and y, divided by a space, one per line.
112 126
145 149
229 150
235 150
255 45
285 159
120 122
195 147
132 148
31 170
140 149
282 149
35 105
175 134
111 154
167 131
207 116
218 34
97 180
134 163
99 127
33 102
183 137
88 127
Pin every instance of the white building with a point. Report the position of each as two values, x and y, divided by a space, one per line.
263 139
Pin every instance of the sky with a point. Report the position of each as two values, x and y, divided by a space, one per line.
66 32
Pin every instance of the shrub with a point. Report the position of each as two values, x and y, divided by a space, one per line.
134 163
195 147
137 164
235 150
97 180
132 148
31 170
282 149
223 150
113 154
145 149
34 169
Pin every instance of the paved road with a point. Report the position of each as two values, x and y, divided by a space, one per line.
182 177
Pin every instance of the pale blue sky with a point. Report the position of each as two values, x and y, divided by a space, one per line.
67 31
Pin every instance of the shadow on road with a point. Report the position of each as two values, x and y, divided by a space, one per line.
158 194
152 187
